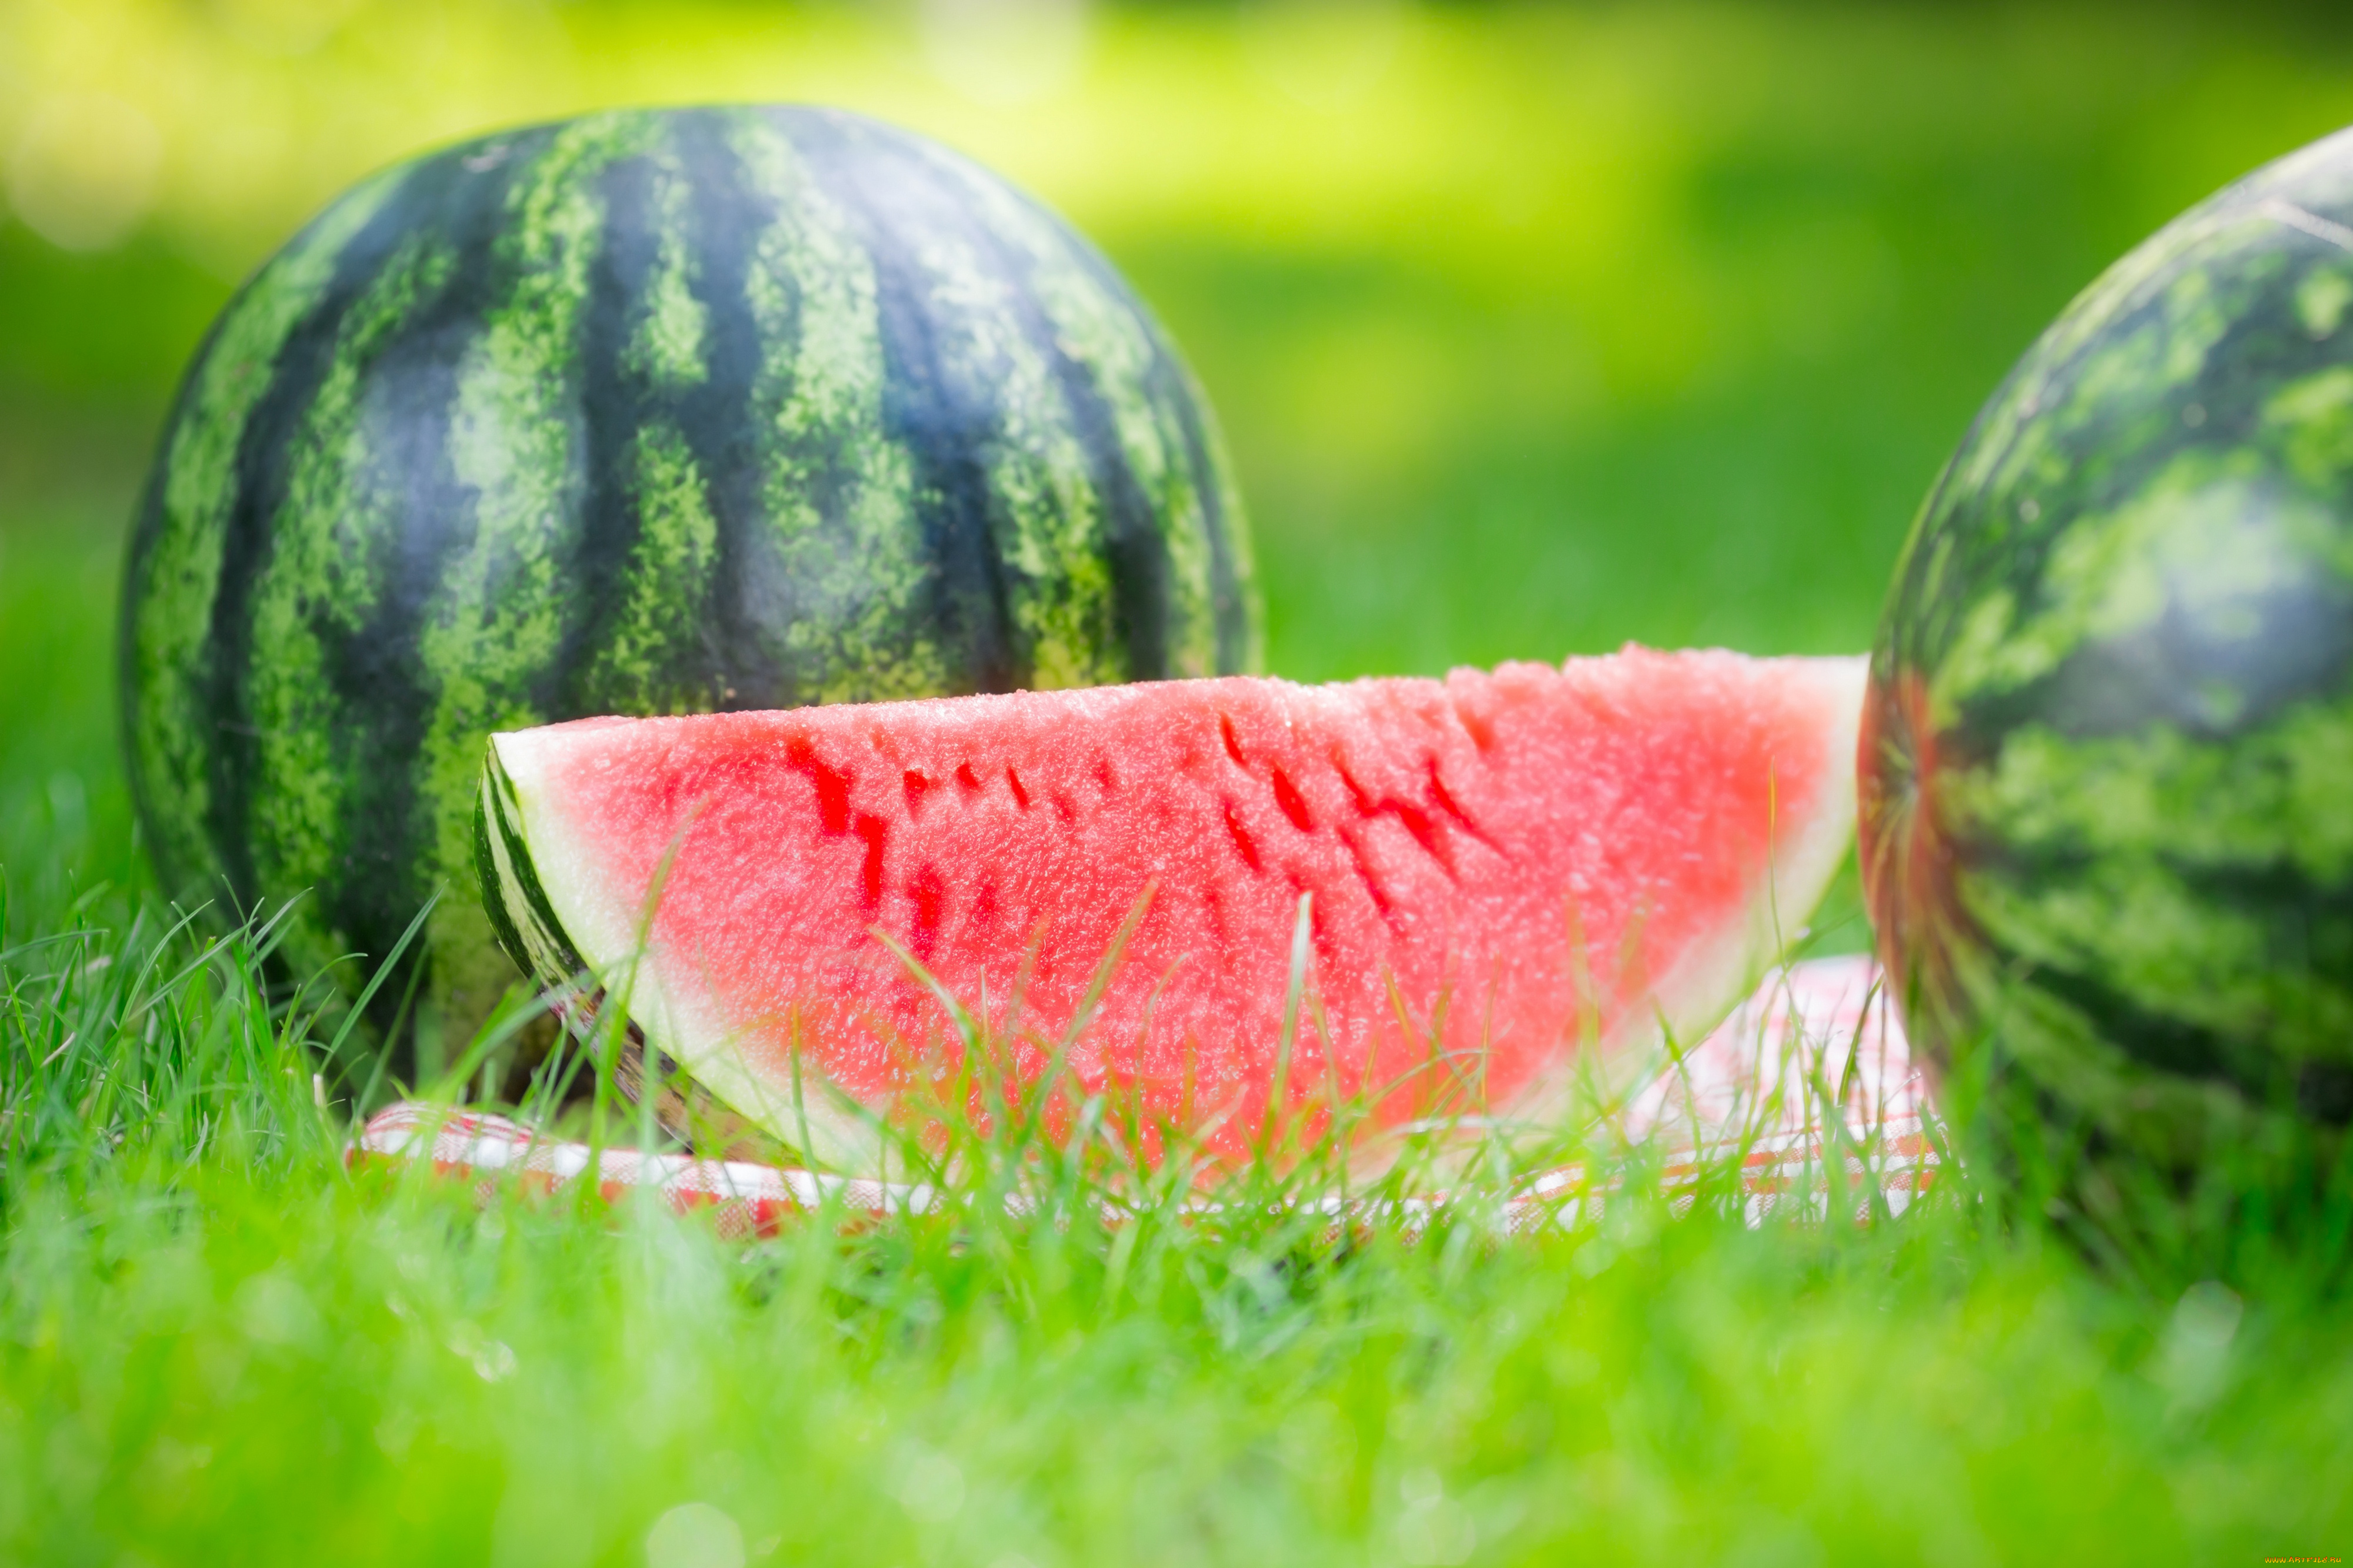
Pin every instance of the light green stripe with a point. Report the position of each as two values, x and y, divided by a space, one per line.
646 663
2153 792
843 544
2136 813
2312 420
670 339
2133 925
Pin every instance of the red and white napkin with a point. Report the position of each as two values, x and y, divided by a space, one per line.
1816 1034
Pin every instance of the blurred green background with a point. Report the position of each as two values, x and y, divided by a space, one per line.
1533 329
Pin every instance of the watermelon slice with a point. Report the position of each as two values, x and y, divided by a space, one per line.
1452 886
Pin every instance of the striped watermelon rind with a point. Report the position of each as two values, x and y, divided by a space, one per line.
649 411
2108 746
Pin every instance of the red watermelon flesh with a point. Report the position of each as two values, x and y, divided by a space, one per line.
1496 866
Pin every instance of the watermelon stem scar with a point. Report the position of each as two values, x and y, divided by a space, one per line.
1219 905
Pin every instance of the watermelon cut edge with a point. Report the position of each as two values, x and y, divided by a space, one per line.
524 920
583 941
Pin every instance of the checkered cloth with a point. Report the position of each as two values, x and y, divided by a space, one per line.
1817 1033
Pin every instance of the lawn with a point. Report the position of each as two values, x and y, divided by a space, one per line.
1533 331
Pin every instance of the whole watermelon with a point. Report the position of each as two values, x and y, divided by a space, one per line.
646 412
2106 771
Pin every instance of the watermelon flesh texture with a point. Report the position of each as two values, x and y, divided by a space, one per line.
1494 867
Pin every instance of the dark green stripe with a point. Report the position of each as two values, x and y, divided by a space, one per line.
1155 480
718 415
898 207
615 654
265 465
1196 492
1057 488
2167 1043
308 606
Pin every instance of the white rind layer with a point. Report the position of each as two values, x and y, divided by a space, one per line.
1712 977
612 936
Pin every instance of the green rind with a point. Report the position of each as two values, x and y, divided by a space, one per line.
520 916
2110 745
650 411
586 996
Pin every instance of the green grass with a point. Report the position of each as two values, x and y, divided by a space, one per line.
219 1343
1582 325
